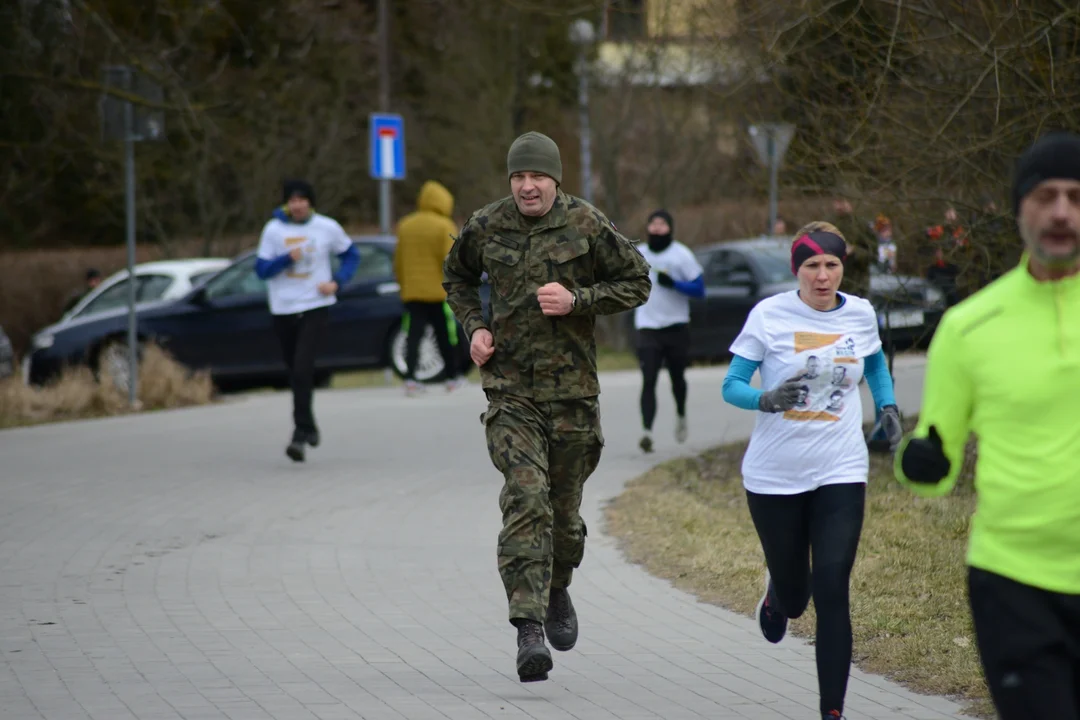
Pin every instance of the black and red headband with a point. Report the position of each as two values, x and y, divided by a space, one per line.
816 243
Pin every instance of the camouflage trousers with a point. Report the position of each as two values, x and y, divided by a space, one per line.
545 452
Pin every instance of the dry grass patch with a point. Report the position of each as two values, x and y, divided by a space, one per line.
687 521
77 394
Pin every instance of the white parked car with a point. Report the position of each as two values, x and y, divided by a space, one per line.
158 280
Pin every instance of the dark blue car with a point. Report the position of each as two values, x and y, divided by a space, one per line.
224 325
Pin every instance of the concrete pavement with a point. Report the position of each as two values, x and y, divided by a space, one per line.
177 565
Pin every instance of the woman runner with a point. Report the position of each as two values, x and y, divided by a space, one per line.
806 466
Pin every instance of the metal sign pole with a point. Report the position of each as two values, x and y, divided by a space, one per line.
771 142
129 201
122 122
774 165
384 105
384 207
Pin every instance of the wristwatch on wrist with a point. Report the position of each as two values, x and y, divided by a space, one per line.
573 299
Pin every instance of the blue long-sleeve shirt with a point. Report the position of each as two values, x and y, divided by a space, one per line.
738 391
693 288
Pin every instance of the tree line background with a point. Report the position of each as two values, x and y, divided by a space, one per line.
904 106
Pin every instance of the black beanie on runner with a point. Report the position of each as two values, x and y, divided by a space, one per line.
298 187
1055 155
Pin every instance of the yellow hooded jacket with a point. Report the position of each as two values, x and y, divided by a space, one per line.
424 238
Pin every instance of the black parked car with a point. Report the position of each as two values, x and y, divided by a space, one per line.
224 325
741 273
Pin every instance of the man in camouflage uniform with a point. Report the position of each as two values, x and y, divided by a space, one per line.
554 262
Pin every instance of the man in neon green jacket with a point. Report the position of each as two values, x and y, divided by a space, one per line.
1005 365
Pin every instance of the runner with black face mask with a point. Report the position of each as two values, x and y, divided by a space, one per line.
663 322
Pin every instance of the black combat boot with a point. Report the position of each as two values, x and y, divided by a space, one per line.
533 658
561 623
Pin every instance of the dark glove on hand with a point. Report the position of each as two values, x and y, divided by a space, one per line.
781 398
924 461
891 426
664 279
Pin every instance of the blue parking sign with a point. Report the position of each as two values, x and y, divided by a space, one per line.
387 147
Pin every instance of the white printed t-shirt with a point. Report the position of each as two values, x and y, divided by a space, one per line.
820 441
295 289
667 306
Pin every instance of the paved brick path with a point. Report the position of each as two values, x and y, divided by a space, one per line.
177 565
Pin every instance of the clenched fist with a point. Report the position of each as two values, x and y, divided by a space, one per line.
482 346
555 299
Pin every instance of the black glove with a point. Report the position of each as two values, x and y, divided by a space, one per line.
924 461
664 279
781 398
891 426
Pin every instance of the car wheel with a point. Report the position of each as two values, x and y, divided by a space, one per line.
429 363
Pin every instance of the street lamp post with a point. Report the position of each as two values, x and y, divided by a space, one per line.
582 35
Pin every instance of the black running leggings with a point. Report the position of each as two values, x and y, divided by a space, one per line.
667 346
824 525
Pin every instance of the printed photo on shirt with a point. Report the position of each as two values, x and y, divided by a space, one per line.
813 367
301 268
836 401
839 375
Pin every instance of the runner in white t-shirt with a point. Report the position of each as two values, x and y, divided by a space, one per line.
806 466
294 258
663 322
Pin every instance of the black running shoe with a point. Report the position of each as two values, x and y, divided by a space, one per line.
772 622
295 451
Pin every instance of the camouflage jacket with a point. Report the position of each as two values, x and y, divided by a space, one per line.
539 356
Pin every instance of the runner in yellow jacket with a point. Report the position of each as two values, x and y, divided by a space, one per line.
1005 365
424 237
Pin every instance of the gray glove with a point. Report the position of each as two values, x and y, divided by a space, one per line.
891 426
783 397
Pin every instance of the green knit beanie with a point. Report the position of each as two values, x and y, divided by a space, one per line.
535 152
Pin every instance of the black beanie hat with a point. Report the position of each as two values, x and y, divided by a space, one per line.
1055 155
666 216
298 187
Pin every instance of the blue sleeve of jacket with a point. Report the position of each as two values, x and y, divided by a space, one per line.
350 261
267 269
737 390
879 380
693 288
